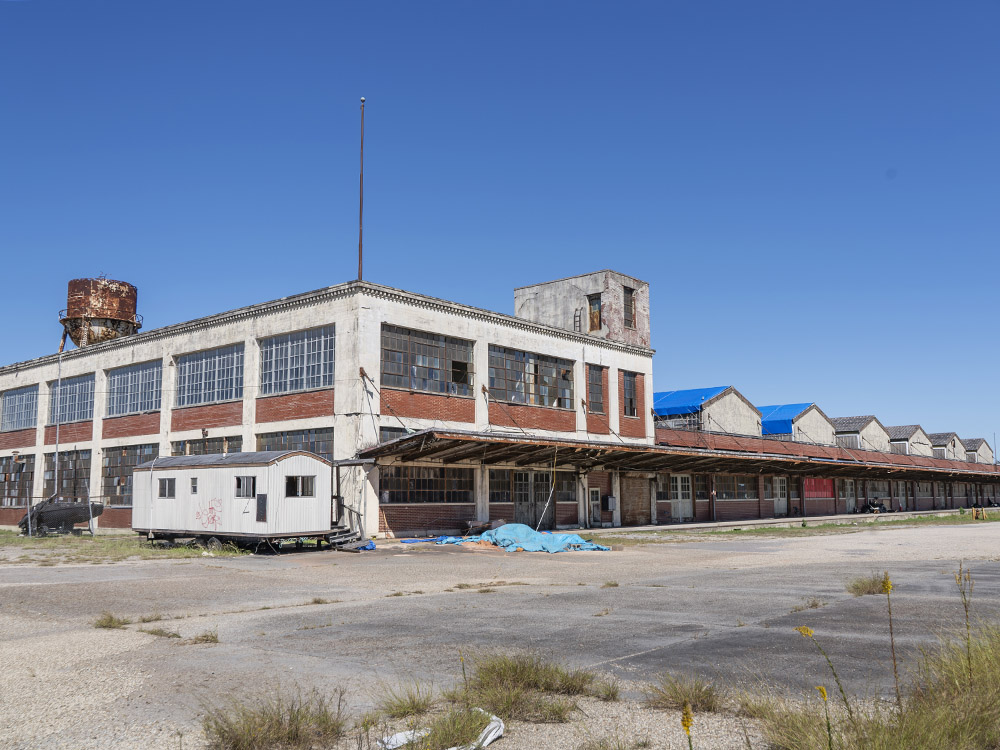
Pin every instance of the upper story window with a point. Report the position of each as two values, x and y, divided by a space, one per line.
19 408
940 453
629 404
72 400
134 389
528 378
210 376
594 311
595 389
297 361
420 361
849 441
629 307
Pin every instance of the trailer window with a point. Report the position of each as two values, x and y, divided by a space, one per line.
300 486
246 486
168 488
194 486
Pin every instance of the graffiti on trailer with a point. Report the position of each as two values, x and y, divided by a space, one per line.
209 513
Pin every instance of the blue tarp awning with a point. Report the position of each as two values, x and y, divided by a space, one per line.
688 401
777 419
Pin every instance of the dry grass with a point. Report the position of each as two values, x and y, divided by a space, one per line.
111 622
405 700
161 632
455 728
865 585
209 636
103 548
673 691
811 603
617 740
295 722
610 585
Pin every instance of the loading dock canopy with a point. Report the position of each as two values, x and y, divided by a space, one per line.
695 452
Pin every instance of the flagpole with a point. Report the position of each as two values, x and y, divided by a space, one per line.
361 195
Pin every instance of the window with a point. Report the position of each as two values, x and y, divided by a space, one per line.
246 486
210 376
505 484
594 311
19 408
662 487
168 488
725 488
430 362
629 405
385 434
427 484
297 361
701 487
74 475
527 378
16 480
629 307
300 486
501 486
194 485
940 453
901 447
849 441
117 465
318 441
72 400
206 446
595 389
925 489
736 487
680 487
134 389
679 421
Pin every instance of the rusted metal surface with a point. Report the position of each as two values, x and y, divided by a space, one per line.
99 310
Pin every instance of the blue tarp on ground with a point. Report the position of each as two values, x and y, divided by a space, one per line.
777 419
514 536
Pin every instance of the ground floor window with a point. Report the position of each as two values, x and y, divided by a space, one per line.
508 485
246 486
300 486
735 487
878 488
427 484
925 489
318 441
116 468
205 446
701 487
16 480
74 475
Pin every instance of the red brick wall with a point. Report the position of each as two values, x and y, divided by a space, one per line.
634 427
735 510
766 508
663 511
75 432
502 512
925 503
10 516
532 417
702 511
420 517
567 514
295 406
135 424
116 518
428 405
819 506
204 417
598 423
17 439
602 480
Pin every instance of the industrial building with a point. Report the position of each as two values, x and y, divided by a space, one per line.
435 415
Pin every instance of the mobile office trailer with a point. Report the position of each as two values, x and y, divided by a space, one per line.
238 497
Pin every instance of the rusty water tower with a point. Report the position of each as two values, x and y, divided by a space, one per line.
99 310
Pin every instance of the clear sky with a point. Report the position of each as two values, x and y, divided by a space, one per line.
811 189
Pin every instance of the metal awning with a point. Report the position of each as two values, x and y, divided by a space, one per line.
729 455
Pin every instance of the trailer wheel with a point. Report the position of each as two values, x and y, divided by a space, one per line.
213 544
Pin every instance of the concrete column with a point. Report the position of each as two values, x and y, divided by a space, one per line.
481 362
613 406
616 490
482 493
582 502
44 401
168 383
251 389
648 406
580 389
96 455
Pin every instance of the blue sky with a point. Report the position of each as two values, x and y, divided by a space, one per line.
810 189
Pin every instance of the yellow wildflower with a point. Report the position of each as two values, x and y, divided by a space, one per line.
886 583
806 631
822 692
687 719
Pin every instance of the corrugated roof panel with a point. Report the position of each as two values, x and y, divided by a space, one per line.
688 401
777 419
252 458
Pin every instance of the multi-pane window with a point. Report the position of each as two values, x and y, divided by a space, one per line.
210 376
501 486
74 475
300 486
925 489
506 485
318 441
849 441
19 408
16 480
72 400
662 487
680 487
297 361
527 378
901 447
117 467
134 389
385 434
680 421
206 446
427 484
420 361
735 487
595 389
628 386
594 311
246 486
701 487
940 453
167 488
629 307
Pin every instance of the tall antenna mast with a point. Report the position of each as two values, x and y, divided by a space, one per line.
361 196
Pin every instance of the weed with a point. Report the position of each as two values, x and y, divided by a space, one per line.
396 593
111 622
404 701
458 727
276 720
209 636
152 618
603 612
868 585
811 603
608 690
674 691
610 585
161 632
319 600
486 591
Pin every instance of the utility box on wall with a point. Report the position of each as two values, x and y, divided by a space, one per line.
609 503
